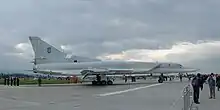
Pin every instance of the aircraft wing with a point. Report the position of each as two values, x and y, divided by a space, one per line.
106 72
147 70
56 72
125 70
122 71
116 71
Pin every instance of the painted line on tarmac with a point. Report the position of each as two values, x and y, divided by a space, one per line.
128 90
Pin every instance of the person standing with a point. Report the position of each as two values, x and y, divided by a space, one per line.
11 79
125 78
218 82
18 81
14 81
197 83
212 84
181 77
39 81
8 81
5 80
189 77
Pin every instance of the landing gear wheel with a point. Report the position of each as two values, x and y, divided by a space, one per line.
103 82
94 82
110 82
98 83
160 81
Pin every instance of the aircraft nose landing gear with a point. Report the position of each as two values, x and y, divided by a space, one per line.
161 78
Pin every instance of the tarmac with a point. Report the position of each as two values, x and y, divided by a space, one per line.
206 103
142 95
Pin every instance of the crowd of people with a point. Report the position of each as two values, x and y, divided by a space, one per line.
198 82
11 81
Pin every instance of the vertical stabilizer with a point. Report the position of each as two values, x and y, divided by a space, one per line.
46 53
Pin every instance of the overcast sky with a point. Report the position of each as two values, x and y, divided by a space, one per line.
183 31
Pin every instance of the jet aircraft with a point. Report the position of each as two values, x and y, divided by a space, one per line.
49 58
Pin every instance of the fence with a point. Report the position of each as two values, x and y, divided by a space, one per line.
187 99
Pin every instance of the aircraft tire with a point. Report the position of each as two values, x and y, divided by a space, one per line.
99 83
110 82
160 81
94 82
103 82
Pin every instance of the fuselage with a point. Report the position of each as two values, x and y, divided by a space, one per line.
153 67
98 65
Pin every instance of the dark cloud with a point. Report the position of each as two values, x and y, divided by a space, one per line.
12 62
94 27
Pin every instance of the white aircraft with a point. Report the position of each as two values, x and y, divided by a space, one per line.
48 58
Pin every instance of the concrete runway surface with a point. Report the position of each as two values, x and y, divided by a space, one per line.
143 95
206 103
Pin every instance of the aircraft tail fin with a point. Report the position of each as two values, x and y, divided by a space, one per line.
46 53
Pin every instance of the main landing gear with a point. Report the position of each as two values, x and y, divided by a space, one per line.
161 78
103 82
98 81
